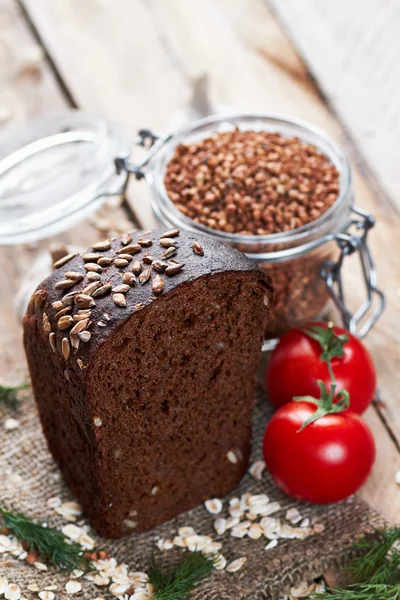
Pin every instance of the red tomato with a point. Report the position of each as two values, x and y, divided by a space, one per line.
325 462
295 365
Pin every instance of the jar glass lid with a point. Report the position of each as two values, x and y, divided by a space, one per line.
54 171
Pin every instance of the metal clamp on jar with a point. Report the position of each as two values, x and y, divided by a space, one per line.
305 263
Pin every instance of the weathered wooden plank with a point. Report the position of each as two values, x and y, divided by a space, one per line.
353 49
381 490
251 65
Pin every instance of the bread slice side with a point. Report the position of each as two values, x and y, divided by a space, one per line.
172 395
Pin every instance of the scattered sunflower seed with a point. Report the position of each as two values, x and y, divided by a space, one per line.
126 239
90 257
167 242
121 289
85 336
100 291
39 297
174 269
68 299
74 275
92 276
46 323
104 289
65 322
197 248
102 246
92 287
144 276
157 285
147 259
63 261
67 375
129 278
119 300
120 263
171 233
52 341
64 284
169 252
159 265
131 249
81 364
90 266
127 257
82 315
57 304
79 326
75 341
65 348
145 243
137 267
84 301
105 261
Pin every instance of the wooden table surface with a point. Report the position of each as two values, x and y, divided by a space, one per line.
135 62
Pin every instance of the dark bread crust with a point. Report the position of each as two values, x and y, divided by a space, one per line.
150 376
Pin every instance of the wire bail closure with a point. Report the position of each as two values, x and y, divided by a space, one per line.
148 140
365 316
361 320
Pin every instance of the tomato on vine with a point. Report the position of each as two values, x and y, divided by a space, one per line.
302 357
320 459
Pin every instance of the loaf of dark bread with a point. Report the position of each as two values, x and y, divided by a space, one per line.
143 355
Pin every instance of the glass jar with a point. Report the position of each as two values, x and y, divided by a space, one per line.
56 169
304 263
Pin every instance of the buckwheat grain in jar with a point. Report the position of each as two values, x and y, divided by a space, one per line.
278 190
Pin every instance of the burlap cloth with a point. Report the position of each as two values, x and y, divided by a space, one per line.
29 477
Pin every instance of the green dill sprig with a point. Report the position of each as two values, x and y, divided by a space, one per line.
9 394
377 571
183 579
49 543
381 561
365 591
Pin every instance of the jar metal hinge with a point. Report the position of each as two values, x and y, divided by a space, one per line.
152 143
364 317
